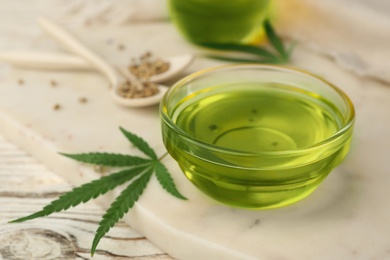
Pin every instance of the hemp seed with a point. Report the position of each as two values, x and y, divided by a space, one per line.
53 83
57 107
83 100
146 66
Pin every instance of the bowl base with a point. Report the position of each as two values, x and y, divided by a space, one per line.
254 196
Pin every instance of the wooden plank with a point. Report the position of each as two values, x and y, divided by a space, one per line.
25 187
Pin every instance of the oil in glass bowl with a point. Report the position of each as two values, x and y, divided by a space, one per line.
256 145
259 118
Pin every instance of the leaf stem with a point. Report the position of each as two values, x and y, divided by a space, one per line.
162 156
277 55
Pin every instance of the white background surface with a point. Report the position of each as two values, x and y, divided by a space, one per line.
345 219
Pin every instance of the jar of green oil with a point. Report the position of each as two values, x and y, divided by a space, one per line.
256 136
219 20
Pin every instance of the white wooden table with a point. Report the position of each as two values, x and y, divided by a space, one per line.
25 187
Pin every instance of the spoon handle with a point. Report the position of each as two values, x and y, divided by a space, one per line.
73 45
45 60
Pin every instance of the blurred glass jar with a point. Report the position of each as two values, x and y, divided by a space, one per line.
219 20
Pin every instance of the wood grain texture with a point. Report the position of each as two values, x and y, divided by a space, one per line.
25 187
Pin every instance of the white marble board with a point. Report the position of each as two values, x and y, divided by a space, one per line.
347 217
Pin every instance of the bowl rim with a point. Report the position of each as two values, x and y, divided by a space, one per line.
349 122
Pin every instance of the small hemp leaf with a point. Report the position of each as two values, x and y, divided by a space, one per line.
138 170
279 54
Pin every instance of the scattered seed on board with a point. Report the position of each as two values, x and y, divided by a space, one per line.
57 107
53 83
21 82
83 100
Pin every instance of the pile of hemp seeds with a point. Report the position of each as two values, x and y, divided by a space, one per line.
142 69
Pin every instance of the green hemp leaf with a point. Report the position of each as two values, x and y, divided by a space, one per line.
278 53
138 171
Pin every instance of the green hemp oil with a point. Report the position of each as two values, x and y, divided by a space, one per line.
262 130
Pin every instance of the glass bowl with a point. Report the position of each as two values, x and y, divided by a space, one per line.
256 136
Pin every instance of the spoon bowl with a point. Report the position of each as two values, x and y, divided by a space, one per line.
139 102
